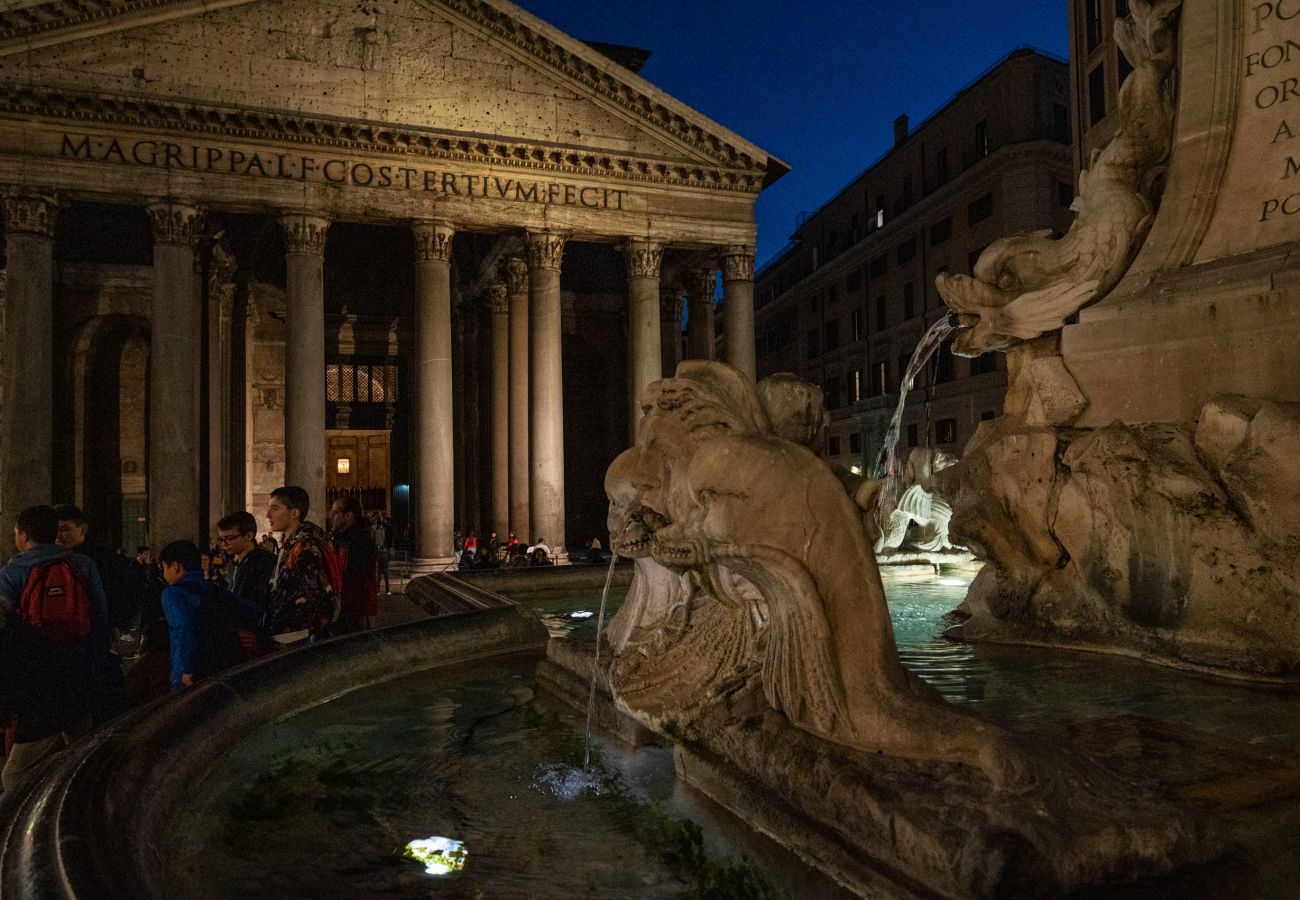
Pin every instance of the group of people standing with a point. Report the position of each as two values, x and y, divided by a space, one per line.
64 602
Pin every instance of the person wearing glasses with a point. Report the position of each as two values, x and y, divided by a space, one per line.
249 568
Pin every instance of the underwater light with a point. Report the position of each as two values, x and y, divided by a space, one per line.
440 855
856 470
581 614
952 582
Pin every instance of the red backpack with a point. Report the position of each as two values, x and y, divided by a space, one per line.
335 562
55 603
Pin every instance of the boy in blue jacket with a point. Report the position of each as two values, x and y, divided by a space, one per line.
182 569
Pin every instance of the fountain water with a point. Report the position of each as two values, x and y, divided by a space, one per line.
887 467
595 665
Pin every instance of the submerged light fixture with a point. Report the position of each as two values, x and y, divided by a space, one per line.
440 855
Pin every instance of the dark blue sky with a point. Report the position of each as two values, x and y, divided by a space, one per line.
816 82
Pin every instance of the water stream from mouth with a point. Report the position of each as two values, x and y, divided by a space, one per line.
887 467
595 665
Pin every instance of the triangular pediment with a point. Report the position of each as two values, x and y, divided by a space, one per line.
480 73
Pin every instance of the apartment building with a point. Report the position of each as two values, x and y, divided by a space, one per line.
847 301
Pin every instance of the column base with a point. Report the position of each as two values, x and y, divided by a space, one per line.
432 565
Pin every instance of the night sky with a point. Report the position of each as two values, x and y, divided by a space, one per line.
818 83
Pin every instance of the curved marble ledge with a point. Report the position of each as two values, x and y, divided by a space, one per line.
90 824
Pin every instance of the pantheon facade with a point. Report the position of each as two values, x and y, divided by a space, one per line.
424 251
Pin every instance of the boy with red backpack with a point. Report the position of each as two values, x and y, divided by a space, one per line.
55 643
304 599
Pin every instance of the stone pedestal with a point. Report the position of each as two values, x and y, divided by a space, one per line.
517 289
546 447
499 297
304 402
175 356
436 503
26 430
738 300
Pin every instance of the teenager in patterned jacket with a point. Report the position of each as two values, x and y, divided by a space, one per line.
302 604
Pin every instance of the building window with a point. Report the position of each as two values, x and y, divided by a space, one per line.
1092 23
1121 9
834 394
988 415
878 220
981 138
982 365
855 386
1123 68
908 197
361 383
880 266
880 313
855 324
941 166
909 301
854 281
813 344
940 231
945 431
1097 94
973 257
832 334
911 436
879 378
1065 194
906 251
979 210
943 366
1060 123
833 445
855 442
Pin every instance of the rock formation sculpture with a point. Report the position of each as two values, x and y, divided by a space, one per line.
1029 284
921 505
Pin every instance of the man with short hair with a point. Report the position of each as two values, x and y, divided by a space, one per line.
302 604
122 587
50 689
359 596
249 568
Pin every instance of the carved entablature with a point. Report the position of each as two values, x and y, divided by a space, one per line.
499 298
304 234
516 272
176 223
30 213
737 264
433 241
546 249
701 283
643 257
362 137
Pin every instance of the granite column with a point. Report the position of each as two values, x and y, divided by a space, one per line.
499 298
437 498
304 368
517 291
700 324
546 384
738 300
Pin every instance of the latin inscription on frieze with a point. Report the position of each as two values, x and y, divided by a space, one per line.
334 170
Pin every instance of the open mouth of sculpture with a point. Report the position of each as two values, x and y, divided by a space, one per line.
677 554
634 547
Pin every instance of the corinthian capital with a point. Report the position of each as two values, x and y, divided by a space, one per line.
700 283
304 234
176 223
738 263
499 298
30 213
643 257
433 241
516 272
546 249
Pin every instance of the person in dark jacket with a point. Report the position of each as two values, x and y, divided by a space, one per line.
249 570
123 587
354 543
302 604
51 691
182 569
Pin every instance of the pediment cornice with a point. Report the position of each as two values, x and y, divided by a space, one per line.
153 114
29 27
